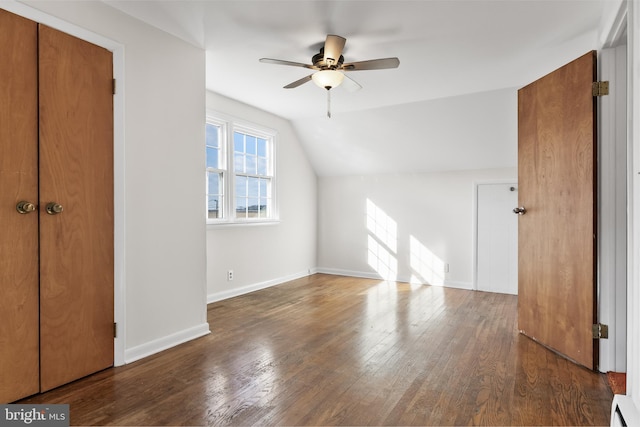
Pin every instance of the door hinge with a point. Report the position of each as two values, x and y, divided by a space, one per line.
114 86
115 330
600 88
600 331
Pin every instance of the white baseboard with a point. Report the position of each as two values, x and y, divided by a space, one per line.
222 295
458 285
372 275
349 273
160 344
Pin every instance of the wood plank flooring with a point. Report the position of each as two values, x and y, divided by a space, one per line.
332 350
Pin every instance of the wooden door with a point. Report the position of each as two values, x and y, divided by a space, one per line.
557 183
19 368
76 172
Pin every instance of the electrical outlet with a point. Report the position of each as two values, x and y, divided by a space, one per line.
446 268
230 275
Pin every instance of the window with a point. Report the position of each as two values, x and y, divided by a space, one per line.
215 171
240 172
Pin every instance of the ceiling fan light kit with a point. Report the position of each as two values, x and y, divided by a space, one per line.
327 79
330 67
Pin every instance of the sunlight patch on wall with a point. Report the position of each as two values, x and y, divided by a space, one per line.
382 226
382 243
381 260
426 266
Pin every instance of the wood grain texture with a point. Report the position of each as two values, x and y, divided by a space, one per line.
557 178
331 350
19 353
76 171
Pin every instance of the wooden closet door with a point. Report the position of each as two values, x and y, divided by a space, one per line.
19 368
76 172
557 146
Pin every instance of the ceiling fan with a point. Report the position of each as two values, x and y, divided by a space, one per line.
329 67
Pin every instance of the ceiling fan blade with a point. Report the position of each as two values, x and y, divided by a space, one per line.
333 46
298 82
373 64
291 63
350 85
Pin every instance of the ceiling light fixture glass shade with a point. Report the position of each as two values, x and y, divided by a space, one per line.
328 79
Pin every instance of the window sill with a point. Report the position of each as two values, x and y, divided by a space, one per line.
266 222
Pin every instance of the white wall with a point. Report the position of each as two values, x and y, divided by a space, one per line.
432 215
433 211
431 135
160 237
268 254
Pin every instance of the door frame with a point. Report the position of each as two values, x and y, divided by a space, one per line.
615 264
612 209
117 50
477 183
632 20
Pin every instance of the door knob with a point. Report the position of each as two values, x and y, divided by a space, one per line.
520 211
53 208
25 207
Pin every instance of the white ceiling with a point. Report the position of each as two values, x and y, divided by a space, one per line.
446 48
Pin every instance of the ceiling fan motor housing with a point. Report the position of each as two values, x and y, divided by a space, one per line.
318 61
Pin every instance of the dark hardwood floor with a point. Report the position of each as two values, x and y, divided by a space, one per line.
332 350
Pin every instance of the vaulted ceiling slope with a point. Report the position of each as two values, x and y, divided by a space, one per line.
447 48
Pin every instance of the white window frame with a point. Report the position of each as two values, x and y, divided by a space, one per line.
229 125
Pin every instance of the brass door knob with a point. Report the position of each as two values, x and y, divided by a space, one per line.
24 207
53 208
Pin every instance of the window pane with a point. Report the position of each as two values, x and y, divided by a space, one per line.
264 207
214 195
214 183
253 187
262 147
251 143
262 166
241 186
251 165
263 187
238 142
213 207
253 207
213 155
241 207
213 135
238 163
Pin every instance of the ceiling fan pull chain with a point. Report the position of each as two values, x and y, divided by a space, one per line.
329 103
